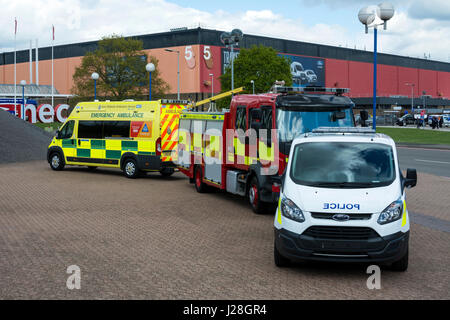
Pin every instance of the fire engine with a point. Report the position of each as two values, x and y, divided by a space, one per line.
242 149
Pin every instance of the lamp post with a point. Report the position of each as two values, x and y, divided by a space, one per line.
412 95
95 77
212 84
253 85
22 109
372 17
232 39
178 70
150 67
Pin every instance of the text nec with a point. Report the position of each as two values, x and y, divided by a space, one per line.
348 206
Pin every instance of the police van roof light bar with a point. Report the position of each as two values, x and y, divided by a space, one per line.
343 130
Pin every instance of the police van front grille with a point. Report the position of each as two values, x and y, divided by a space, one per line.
352 216
342 233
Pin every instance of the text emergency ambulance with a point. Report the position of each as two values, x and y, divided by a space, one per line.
343 199
239 150
131 135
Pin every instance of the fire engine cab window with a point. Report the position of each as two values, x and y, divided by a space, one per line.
90 129
116 129
67 131
241 118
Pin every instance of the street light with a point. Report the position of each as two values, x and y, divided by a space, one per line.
412 85
232 39
23 84
178 70
372 17
253 85
150 67
95 77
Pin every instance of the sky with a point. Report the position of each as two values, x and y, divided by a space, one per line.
419 28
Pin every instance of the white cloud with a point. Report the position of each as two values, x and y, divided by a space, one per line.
84 20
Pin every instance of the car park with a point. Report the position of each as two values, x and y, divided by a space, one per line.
343 199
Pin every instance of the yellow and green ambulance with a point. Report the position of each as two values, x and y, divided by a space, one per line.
134 136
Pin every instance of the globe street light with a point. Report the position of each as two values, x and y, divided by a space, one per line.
95 77
178 70
150 67
22 110
232 39
372 17
253 85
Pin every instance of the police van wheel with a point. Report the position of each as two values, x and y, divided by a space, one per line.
130 169
167 172
200 186
56 161
400 265
279 260
254 196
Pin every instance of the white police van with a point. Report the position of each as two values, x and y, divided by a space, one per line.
343 199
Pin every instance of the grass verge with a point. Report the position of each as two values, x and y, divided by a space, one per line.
414 135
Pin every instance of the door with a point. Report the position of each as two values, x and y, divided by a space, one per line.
66 140
90 142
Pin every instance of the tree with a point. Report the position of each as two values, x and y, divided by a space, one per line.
120 64
260 64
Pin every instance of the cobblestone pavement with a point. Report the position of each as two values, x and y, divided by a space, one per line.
156 238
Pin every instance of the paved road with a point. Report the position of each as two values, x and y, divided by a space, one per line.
156 238
430 161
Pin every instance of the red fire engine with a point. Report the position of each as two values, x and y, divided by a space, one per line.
240 150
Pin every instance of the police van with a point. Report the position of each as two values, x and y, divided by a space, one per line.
134 136
343 199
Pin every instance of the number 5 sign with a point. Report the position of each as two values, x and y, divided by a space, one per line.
189 55
208 57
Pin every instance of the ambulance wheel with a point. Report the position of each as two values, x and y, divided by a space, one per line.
200 186
400 265
254 196
92 168
56 161
130 169
167 172
279 260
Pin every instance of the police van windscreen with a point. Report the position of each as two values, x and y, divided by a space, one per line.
291 123
343 165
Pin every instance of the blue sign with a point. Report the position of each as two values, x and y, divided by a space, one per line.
306 71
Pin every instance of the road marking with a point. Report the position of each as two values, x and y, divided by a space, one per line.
444 162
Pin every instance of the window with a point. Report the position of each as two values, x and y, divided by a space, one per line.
241 119
266 120
67 131
90 129
116 129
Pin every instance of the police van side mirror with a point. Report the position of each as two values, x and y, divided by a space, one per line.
411 178
364 115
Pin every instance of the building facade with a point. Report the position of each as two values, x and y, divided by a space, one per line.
202 54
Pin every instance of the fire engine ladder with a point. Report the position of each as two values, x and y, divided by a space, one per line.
211 100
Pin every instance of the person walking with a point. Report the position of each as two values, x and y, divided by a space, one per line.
441 121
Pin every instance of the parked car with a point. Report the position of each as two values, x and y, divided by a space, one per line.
446 121
406 119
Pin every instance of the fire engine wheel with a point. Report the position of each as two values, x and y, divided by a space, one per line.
130 169
198 180
254 196
56 161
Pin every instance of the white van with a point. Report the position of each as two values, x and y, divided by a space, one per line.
343 199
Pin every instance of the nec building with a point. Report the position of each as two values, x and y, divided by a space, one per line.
202 54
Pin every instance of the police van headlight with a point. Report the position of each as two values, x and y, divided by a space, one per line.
290 210
392 213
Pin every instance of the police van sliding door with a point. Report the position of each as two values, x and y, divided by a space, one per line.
213 151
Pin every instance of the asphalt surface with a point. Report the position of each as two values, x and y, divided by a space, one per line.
156 238
432 161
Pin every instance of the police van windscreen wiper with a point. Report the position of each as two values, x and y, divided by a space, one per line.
343 184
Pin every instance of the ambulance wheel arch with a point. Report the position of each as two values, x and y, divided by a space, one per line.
129 165
55 157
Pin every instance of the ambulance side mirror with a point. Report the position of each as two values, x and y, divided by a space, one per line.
58 134
411 178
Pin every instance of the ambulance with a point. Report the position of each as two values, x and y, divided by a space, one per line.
343 199
134 136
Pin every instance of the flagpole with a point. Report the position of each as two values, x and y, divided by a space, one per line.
53 40
15 79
